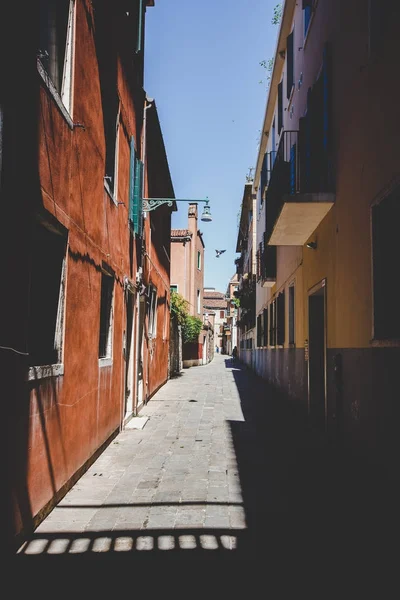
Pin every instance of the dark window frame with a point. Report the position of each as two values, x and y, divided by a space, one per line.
47 293
384 247
106 327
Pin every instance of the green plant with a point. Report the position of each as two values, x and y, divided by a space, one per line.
277 16
191 326
179 308
191 329
268 65
236 302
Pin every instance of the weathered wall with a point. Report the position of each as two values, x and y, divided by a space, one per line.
59 422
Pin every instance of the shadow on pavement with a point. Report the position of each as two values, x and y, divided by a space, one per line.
305 501
305 498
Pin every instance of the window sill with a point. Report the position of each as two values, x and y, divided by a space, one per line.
376 343
105 362
54 93
109 192
45 371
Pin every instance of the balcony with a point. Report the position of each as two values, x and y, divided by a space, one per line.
300 191
239 265
268 266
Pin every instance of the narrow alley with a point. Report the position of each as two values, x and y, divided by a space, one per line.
222 468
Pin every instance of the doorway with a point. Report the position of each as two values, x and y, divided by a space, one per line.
129 352
317 400
140 354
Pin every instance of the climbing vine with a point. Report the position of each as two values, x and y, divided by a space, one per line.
191 326
191 329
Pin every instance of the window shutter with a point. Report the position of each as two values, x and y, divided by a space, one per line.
263 177
140 27
140 208
137 198
280 106
291 314
289 64
132 181
265 329
281 319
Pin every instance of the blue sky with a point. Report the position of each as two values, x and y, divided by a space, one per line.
202 67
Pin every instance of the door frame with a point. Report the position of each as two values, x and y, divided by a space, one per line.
322 284
130 299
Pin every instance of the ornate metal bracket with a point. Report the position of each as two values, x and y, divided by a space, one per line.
153 203
150 204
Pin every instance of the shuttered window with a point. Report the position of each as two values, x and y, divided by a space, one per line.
265 327
280 106
281 319
291 314
289 64
259 332
272 323
135 191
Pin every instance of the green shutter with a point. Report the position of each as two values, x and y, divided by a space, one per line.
137 198
140 27
140 198
132 181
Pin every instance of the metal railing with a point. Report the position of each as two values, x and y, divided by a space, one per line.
301 166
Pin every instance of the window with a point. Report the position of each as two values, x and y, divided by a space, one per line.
166 319
265 327
280 334
198 301
46 295
199 260
259 330
174 288
263 176
289 65
135 190
280 106
106 308
221 314
111 133
385 220
308 7
56 38
152 312
272 323
291 314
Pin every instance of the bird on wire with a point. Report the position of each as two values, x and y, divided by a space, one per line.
219 252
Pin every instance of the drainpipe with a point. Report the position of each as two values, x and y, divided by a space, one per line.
139 277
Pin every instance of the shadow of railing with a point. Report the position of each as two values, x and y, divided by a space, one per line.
121 544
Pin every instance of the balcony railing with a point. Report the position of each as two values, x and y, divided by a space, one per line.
268 265
300 190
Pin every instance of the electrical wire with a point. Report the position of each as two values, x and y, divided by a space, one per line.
14 350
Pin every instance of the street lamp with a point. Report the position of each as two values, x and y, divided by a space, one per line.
150 204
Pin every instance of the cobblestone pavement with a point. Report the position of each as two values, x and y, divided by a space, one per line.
222 468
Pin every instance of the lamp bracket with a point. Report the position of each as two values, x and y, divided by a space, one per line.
150 204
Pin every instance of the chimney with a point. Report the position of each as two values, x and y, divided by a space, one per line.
192 218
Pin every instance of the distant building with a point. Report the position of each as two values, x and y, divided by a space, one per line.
216 302
187 278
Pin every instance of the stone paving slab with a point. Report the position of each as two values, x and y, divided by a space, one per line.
223 468
171 474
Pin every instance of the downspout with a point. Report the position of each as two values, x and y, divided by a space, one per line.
138 350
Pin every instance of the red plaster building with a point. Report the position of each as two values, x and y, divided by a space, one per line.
85 321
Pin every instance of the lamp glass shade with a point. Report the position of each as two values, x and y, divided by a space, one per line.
206 215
